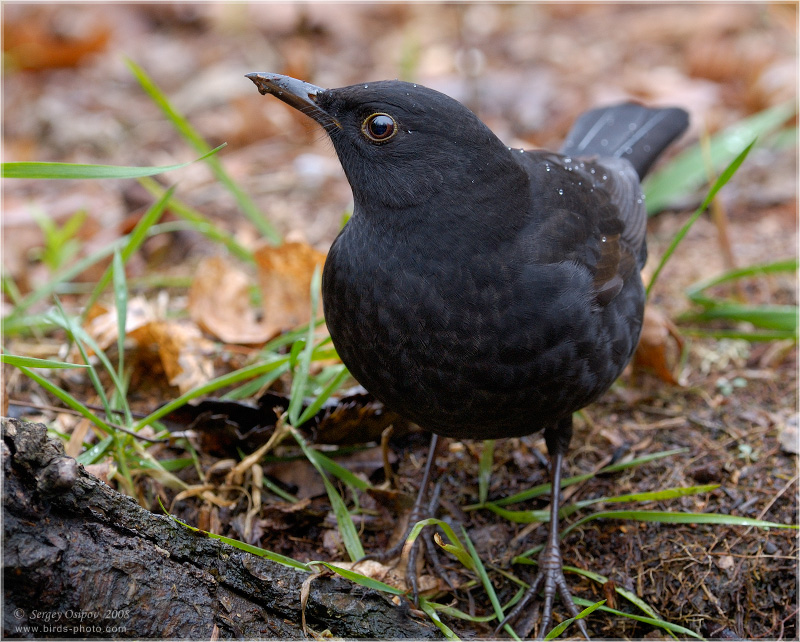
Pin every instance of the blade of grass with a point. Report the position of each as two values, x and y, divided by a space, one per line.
277 490
75 331
638 461
35 169
455 547
67 398
542 489
695 292
251 388
173 465
340 472
93 454
526 516
345 522
663 517
628 595
121 304
652 618
433 615
333 385
358 578
737 334
652 496
780 318
667 517
204 225
155 469
186 130
119 440
453 612
300 378
10 287
248 548
559 628
120 286
298 391
32 362
90 370
668 626
487 585
729 171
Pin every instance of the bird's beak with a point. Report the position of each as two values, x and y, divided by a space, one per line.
296 93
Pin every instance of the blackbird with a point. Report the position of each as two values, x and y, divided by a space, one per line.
478 290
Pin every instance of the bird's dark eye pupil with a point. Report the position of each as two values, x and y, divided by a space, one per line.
379 127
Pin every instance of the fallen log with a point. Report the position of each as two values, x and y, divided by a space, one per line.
82 560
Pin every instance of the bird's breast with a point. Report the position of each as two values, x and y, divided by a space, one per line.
469 346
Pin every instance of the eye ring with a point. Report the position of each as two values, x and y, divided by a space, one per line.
379 128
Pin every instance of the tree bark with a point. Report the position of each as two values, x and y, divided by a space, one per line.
82 560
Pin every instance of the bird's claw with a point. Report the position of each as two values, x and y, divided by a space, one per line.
551 580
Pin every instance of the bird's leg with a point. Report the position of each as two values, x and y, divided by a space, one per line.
550 577
416 515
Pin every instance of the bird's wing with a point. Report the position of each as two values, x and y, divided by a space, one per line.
590 213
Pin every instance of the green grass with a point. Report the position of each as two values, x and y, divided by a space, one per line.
769 321
77 171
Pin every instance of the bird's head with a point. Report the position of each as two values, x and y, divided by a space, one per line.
400 144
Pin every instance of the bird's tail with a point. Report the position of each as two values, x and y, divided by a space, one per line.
636 133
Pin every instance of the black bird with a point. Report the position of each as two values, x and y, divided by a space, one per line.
478 290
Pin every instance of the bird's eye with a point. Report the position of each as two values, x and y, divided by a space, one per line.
379 128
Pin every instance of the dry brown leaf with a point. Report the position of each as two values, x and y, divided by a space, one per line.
392 574
653 349
102 326
101 470
284 274
219 302
187 357
44 39
297 474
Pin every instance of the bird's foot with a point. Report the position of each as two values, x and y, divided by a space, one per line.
550 580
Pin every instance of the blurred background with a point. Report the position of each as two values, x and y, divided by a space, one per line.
527 69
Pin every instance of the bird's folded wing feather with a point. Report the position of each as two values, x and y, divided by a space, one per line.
597 219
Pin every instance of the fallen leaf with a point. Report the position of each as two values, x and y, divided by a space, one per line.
219 302
187 357
101 323
652 351
284 275
300 475
45 39
101 470
393 574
